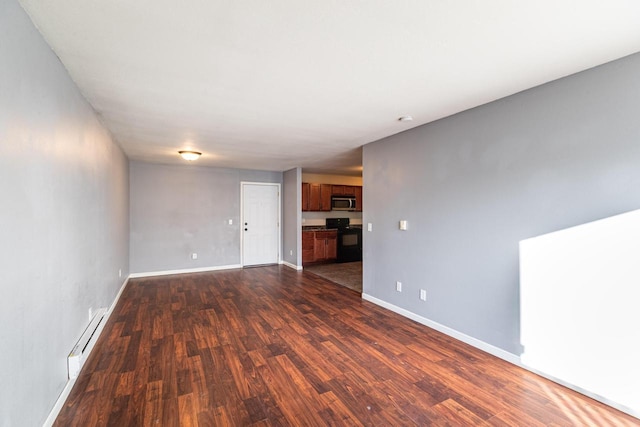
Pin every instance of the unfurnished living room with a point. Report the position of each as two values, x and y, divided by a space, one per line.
177 177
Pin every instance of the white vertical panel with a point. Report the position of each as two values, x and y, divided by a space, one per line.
580 320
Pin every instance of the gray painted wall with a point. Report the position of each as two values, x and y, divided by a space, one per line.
179 210
64 224
473 185
292 216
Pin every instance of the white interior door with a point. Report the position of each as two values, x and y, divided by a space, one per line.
260 223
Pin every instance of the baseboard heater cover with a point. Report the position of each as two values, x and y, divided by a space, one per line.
83 346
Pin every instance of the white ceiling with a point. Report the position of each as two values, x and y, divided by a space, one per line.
277 84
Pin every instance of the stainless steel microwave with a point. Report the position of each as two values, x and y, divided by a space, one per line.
343 203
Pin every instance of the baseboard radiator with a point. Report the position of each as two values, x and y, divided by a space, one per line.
84 345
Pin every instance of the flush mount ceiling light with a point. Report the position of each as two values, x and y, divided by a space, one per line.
405 119
190 155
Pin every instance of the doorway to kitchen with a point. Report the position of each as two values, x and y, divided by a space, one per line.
345 267
332 227
260 226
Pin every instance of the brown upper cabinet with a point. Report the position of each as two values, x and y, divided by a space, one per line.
343 190
305 196
317 197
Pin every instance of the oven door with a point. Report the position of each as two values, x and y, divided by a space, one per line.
349 245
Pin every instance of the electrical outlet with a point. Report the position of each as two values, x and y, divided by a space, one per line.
120 273
369 226
423 294
194 256
90 314
291 252
399 286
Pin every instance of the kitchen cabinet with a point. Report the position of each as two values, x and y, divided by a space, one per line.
343 190
319 246
325 246
358 194
308 241
319 197
305 196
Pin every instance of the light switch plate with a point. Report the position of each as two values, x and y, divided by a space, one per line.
403 224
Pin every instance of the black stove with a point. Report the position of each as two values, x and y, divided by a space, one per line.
349 239
339 223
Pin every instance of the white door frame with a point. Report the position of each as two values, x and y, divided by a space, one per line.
276 184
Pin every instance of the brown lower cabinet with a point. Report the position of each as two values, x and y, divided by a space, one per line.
308 250
319 246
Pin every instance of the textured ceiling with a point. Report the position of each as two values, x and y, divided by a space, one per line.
277 84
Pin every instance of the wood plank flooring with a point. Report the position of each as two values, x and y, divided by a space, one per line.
270 346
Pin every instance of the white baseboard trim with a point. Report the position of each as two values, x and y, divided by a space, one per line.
288 264
62 398
495 351
116 299
498 352
621 408
184 271
57 407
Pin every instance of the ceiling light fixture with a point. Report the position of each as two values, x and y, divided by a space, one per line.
190 155
405 119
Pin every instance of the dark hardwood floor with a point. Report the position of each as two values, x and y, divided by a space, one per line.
272 346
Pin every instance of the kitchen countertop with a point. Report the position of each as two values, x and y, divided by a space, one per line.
323 228
316 228
321 222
